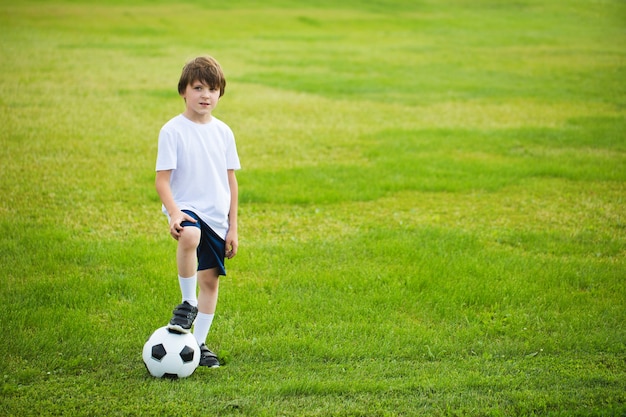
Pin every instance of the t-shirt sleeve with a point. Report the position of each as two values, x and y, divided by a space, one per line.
166 154
232 157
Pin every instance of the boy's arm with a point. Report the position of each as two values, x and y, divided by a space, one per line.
162 184
232 241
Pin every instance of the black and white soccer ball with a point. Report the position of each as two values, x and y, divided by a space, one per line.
168 354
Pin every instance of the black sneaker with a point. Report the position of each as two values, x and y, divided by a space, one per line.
208 358
184 315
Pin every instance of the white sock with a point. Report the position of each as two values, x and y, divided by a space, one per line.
188 289
202 326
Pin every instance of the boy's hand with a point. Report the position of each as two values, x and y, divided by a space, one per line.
231 244
175 220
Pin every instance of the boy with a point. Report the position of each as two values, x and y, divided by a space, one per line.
195 179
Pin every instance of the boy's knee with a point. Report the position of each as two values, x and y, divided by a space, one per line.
189 238
209 279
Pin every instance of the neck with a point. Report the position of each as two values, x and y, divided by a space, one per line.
198 118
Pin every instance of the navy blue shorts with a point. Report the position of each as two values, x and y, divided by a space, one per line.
212 248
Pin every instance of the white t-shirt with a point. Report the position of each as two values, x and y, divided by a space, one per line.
199 156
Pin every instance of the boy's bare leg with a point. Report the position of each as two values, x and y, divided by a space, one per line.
186 258
209 282
185 313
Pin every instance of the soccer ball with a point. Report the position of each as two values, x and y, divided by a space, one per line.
168 354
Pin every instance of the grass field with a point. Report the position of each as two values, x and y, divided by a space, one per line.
432 207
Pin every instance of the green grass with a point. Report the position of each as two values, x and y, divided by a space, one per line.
432 205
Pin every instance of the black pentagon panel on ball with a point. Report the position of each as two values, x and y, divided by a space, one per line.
187 354
158 352
170 376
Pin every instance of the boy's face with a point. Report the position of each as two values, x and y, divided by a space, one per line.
200 100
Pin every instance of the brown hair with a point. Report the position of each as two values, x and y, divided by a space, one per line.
204 69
